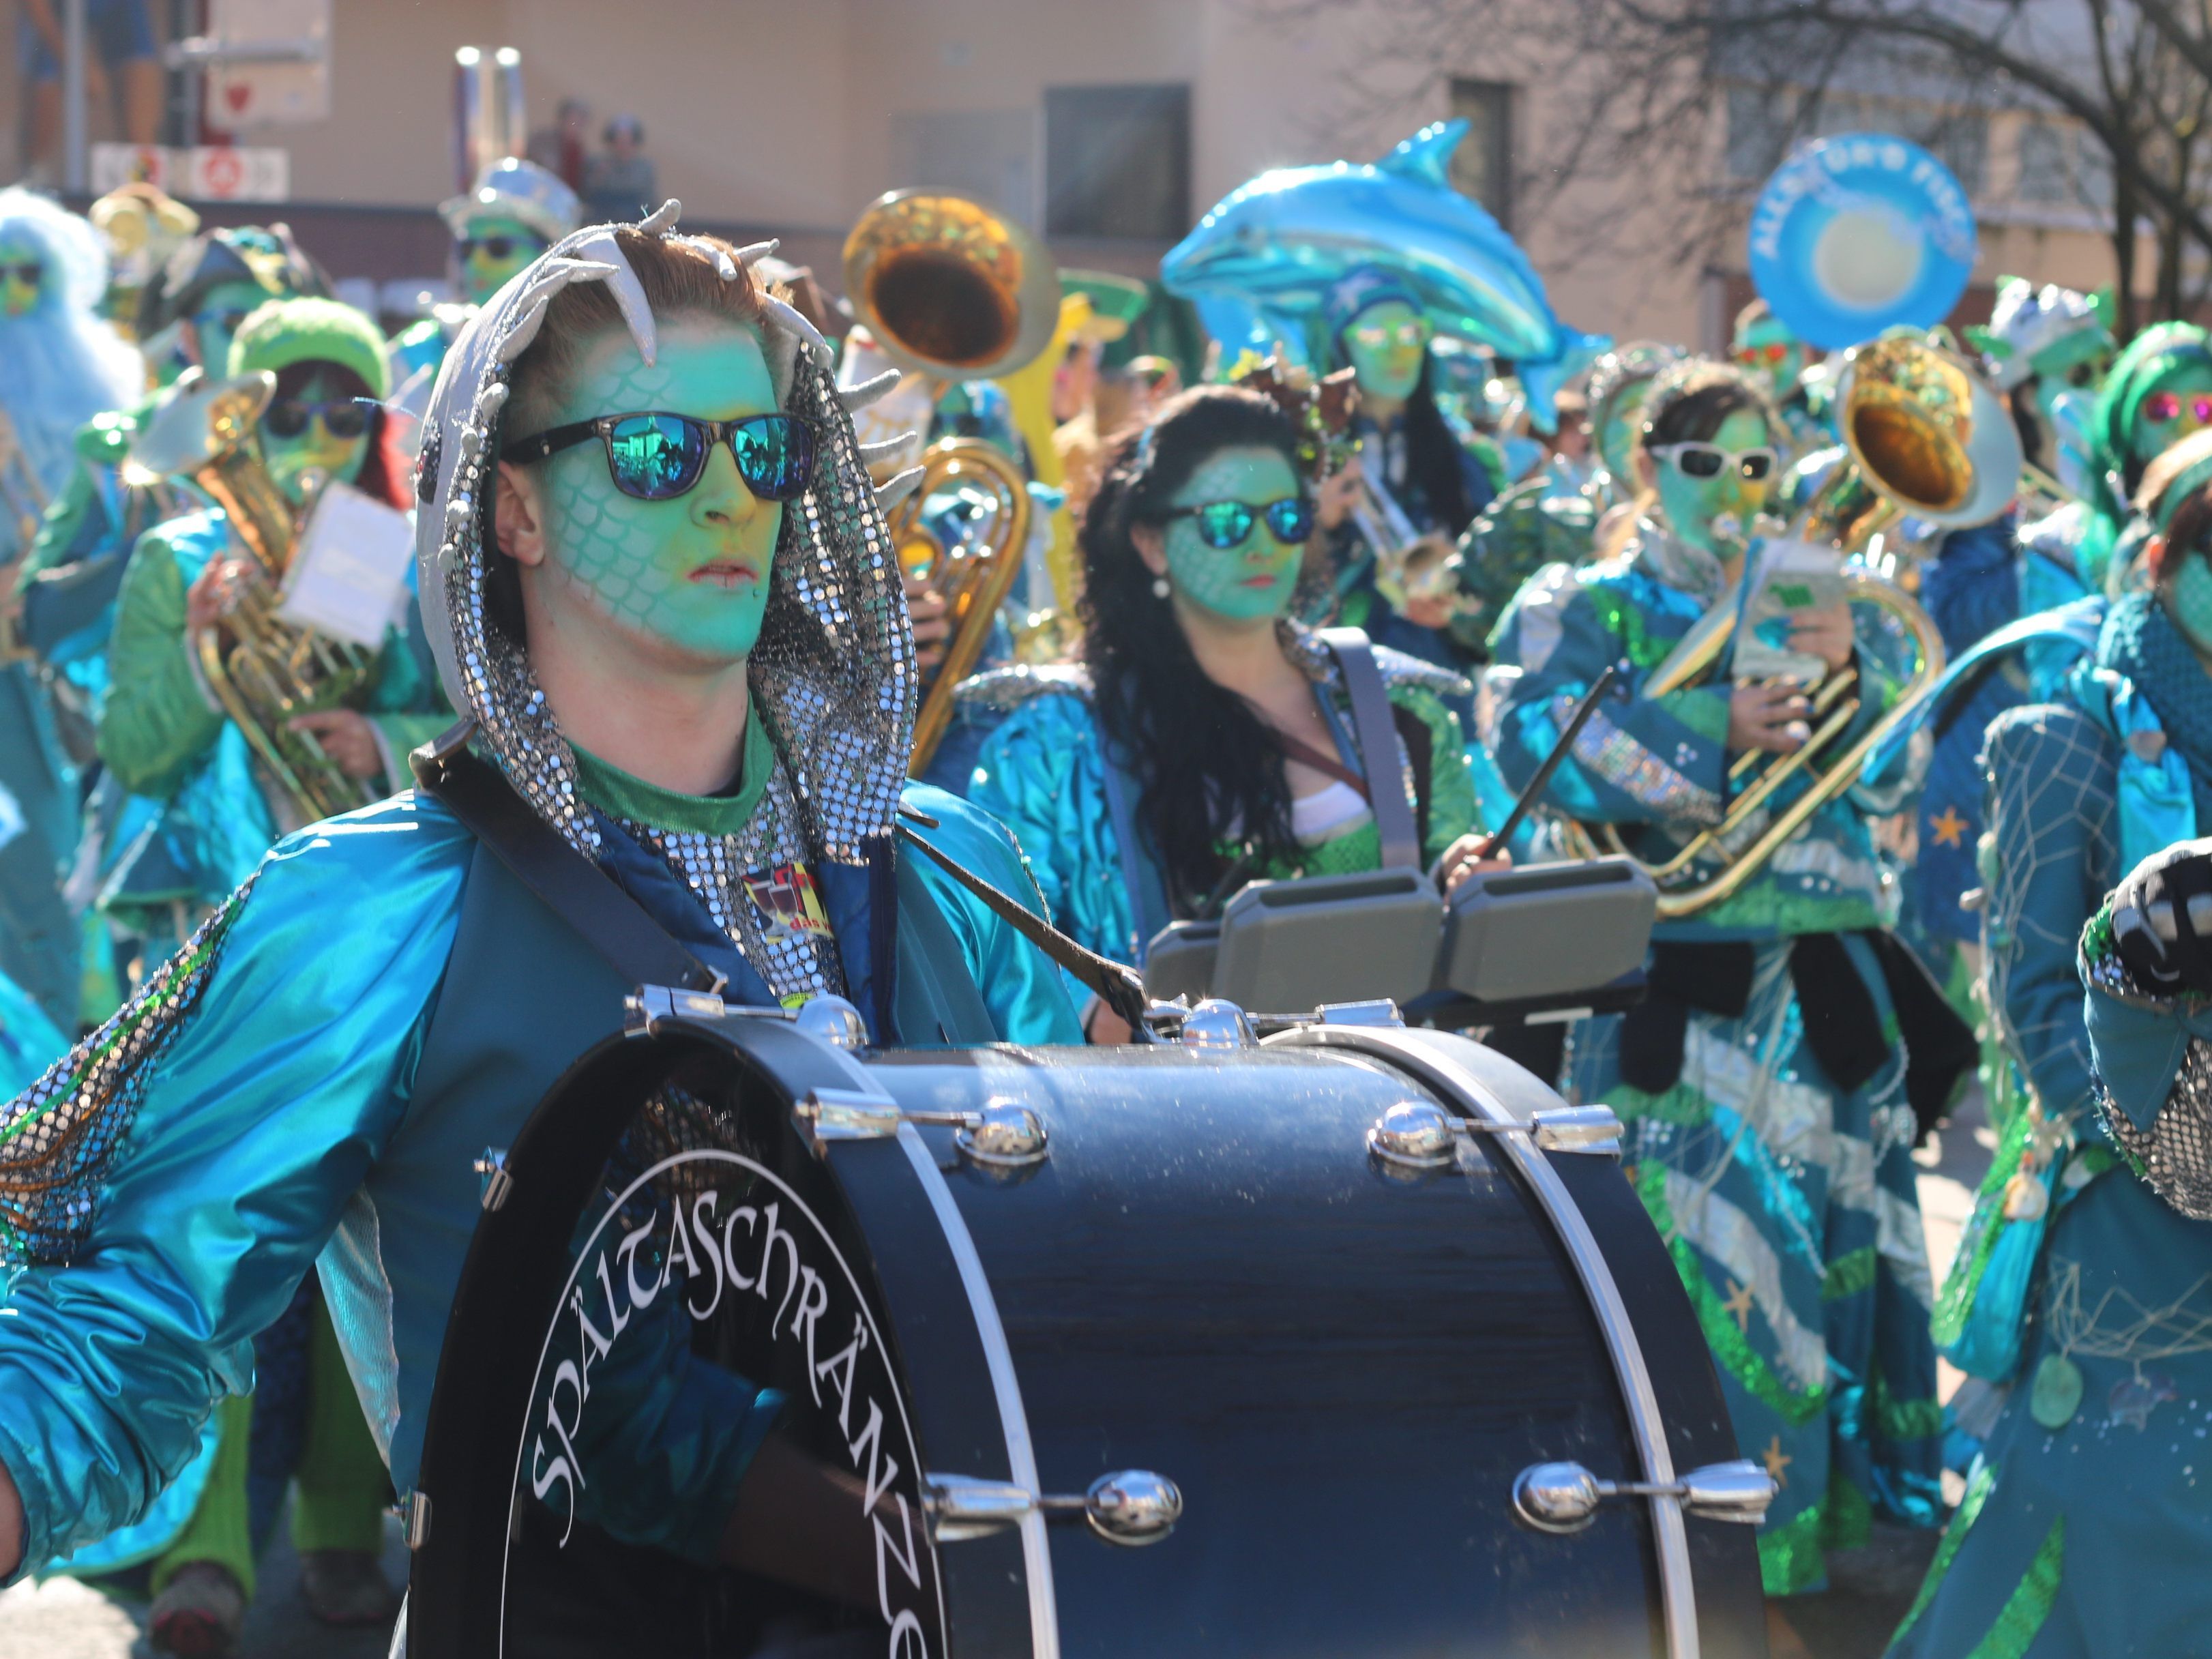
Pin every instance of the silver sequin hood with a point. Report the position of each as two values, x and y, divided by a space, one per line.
834 671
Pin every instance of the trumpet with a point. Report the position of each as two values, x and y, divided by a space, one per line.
1924 435
262 669
954 291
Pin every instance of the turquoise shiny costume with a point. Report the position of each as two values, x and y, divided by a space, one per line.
310 1081
2086 1529
1043 773
1787 1200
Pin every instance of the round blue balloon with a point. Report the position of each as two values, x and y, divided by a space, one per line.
1857 234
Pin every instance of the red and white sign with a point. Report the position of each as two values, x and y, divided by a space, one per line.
205 172
281 71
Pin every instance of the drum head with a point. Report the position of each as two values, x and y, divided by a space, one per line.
674 1305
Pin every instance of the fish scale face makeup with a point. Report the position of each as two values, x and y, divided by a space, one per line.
1254 579
2189 601
691 572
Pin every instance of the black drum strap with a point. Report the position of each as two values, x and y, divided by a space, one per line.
562 878
1377 732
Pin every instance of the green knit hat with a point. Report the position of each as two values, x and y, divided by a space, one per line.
283 333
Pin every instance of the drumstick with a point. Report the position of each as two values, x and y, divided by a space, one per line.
1527 798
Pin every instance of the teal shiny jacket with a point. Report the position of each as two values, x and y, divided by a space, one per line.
317 1095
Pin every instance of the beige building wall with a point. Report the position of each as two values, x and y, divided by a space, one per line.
764 113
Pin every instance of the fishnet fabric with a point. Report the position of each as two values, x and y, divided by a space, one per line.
59 1136
833 675
2053 846
2174 1155
2119 1327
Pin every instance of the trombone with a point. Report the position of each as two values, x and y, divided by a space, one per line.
1924 435
953 291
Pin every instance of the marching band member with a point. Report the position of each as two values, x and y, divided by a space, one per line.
2158 391
1411 463
160 733
1766 1094
1205 741
656 577
1766 350
62 365
2084 1280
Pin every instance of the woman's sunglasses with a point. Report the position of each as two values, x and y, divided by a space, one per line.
1701 460
492 247
346 418
1773 353
1379 337
1225 525
656 457
2166 406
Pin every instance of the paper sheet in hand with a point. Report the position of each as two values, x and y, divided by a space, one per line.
348 575
1790 577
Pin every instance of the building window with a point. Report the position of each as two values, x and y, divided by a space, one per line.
1117 161
1482 166
2043 168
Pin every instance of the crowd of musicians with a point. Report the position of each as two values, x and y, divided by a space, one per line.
222 1032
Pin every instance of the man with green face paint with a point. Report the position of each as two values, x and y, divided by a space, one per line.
1764 349
2158 391
514 211
677 636
1769 1101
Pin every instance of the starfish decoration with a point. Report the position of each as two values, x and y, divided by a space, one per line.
1950 828
1777 1460
1739 1303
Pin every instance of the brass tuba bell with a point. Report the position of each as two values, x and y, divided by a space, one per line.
952 290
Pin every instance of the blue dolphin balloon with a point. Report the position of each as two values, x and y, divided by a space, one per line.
1260 263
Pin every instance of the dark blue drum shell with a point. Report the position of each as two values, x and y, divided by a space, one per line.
1342 1366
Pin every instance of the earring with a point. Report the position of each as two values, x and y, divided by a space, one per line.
1160 589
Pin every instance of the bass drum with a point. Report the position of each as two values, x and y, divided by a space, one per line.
769 1347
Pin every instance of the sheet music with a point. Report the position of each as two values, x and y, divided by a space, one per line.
348 575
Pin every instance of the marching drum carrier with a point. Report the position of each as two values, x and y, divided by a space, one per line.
1349 1340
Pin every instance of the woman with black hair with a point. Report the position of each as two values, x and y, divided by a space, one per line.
1206 740
1422 482
1765 1085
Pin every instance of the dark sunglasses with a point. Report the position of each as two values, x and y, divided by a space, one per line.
2166 406
492 247
30 272
345 418
656 457
1225 525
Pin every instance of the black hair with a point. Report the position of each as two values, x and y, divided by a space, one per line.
1432 455
1689 401
1204 761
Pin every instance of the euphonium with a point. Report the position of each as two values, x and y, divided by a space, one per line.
954 291
262 669
1926 437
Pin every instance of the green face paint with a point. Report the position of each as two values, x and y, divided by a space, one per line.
1690 505
1245 583
1387 345
693 572
217 320
314 448
22 273
1623 425
484 268
2187 596
1768 349
2183 387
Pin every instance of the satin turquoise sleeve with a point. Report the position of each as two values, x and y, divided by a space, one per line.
258 1116
1042 775
1025 991
156 721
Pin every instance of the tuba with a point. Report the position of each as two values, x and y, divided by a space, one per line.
1925 436
262 669
954 291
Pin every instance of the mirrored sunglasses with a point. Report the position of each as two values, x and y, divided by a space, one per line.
655 456
1702 460
1376 336
1772 354
1226 525
345 418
